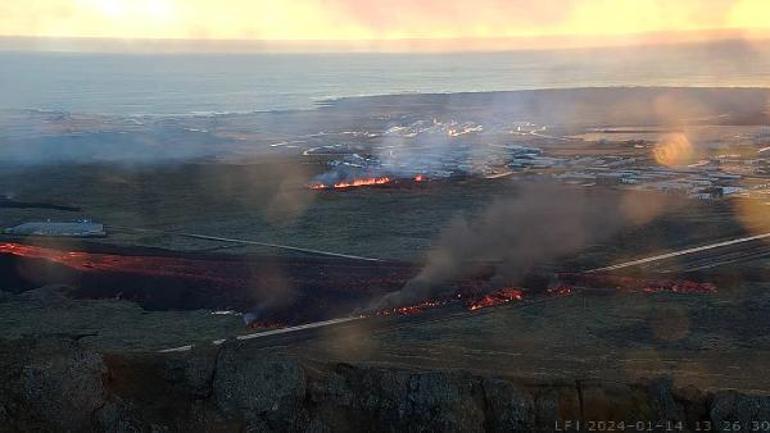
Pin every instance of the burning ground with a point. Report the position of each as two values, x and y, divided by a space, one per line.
280 292
276 290
508 250
477 277
513 237
648 327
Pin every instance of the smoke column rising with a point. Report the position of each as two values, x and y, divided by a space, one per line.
543 223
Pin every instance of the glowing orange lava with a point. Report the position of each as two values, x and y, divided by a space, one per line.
73 259
420 178
369 181
502 296
411 309
560 290
84 261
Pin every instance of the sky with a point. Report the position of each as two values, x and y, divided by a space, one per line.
354 20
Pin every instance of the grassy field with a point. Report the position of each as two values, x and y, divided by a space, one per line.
713 341
267 202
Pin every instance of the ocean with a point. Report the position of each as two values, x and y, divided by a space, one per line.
181 84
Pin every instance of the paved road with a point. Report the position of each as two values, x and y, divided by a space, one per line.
272 332
680 253
283 336
717 254
250 242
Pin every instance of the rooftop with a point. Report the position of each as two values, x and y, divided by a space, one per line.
63 229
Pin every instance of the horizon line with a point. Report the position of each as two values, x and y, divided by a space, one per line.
98 44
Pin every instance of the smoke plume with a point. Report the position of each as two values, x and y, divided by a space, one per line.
543 223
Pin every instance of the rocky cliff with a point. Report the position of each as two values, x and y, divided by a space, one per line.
54 385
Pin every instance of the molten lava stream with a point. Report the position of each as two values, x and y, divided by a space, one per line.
363 182
370 181
502 296
409 310
560 290
86 262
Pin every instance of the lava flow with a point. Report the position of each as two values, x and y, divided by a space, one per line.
502 296
84 261
370 181
560 290
409 310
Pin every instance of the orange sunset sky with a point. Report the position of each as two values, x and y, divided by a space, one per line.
391 20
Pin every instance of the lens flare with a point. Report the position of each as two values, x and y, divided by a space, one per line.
674 150
754 214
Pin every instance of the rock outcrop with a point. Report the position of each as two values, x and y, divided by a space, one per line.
53 385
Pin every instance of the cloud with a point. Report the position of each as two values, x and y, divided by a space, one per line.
366 19
454 17
636 16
